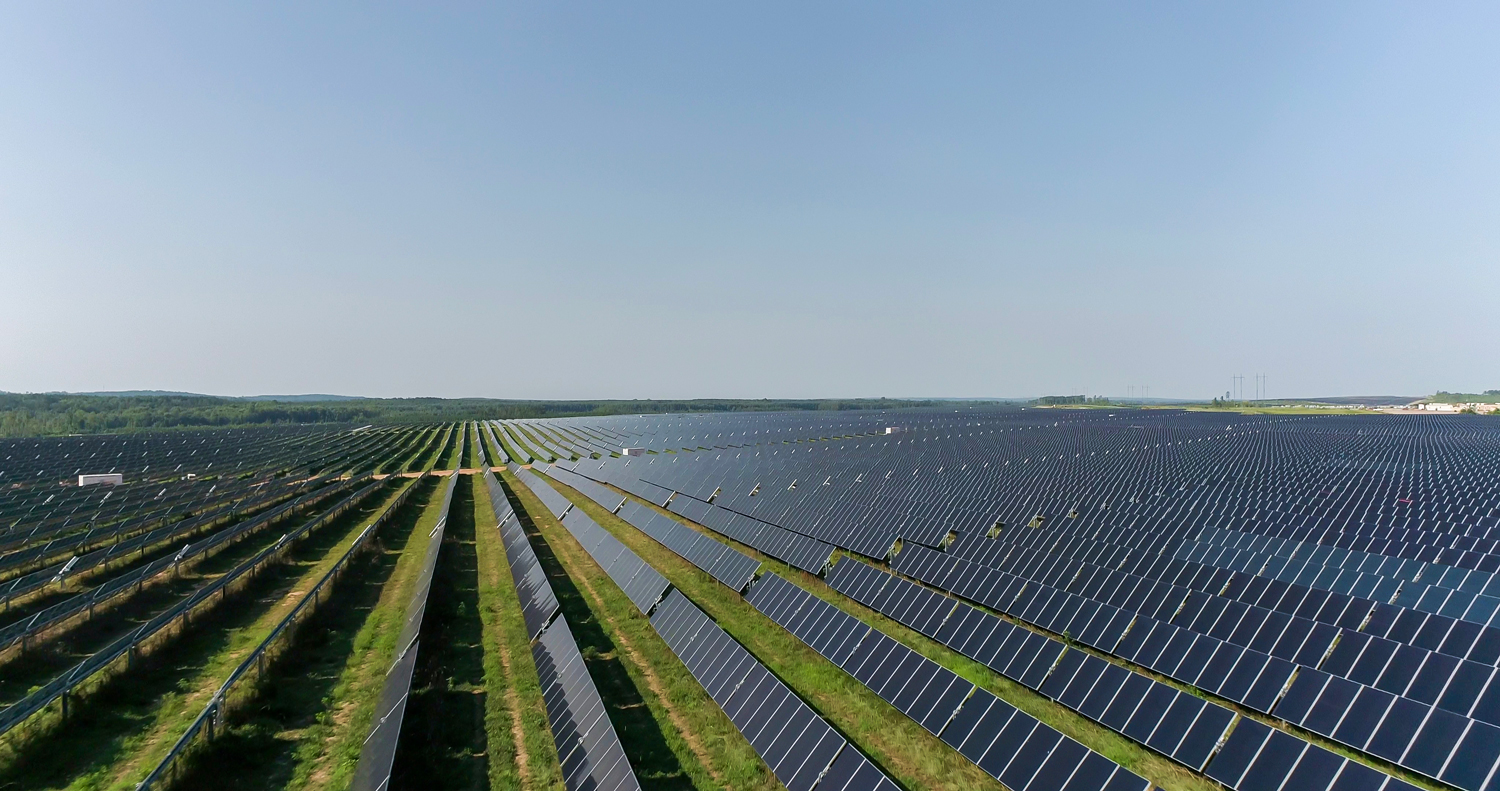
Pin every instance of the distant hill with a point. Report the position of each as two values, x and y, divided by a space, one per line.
1487 397
124 393
1353 400
307 397
299 398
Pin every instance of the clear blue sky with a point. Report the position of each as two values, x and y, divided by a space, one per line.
750 200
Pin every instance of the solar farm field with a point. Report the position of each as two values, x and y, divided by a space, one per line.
937 598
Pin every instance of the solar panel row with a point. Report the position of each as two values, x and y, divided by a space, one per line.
801 749
1145 710
724 563
799 551
524 443
556 504
587 745
378 754
643 584
611 501
802 552
1231 552
124 584
848 771
1181 726
501 457
932 698
1010 745
1257 757
1245 675
538 603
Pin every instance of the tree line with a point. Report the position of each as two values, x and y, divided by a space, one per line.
51 414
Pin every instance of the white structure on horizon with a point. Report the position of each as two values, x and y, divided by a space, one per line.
109 478
632 451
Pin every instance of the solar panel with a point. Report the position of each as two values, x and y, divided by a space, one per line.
930 694
538 604
724 563
1337 573
378 753
587 745
798 745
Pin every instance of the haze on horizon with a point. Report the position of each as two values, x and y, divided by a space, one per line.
777 200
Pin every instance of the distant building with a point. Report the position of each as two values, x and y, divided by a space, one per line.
895 429
1438 406
632 451
110 478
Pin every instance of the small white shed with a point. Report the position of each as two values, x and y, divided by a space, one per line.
110 478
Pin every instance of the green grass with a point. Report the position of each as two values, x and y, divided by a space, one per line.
469 459
121 731
443 736
430 456
421 459
453 447
395 461
327 755
523 755
675 735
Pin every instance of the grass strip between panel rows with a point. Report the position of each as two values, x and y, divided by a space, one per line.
523 756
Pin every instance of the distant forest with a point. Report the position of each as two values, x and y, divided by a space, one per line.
1487 397
51 414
